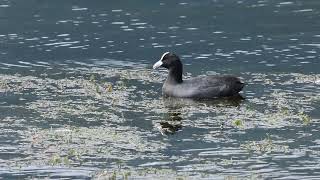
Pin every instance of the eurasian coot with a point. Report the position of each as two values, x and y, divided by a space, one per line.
203 87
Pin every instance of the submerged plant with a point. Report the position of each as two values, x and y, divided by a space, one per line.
238 123
109 88
306 119
4 86
55 160
264 146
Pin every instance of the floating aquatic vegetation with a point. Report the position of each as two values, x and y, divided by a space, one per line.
114 119
147 173
303 78
266 145
4 87
71 146
237 122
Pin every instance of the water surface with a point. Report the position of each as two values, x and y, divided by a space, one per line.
79 100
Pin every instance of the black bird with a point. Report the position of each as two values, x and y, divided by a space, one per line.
203 87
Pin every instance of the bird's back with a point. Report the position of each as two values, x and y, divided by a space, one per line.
205 87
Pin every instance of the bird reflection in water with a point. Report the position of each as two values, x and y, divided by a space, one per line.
172 124
173 118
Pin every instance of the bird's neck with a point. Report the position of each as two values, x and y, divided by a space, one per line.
175 75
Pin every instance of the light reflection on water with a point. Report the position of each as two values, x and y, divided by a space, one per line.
78 97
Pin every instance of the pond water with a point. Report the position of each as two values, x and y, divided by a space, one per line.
79 98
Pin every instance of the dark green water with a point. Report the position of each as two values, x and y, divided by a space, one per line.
79 98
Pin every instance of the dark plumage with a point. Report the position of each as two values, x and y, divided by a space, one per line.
203 87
